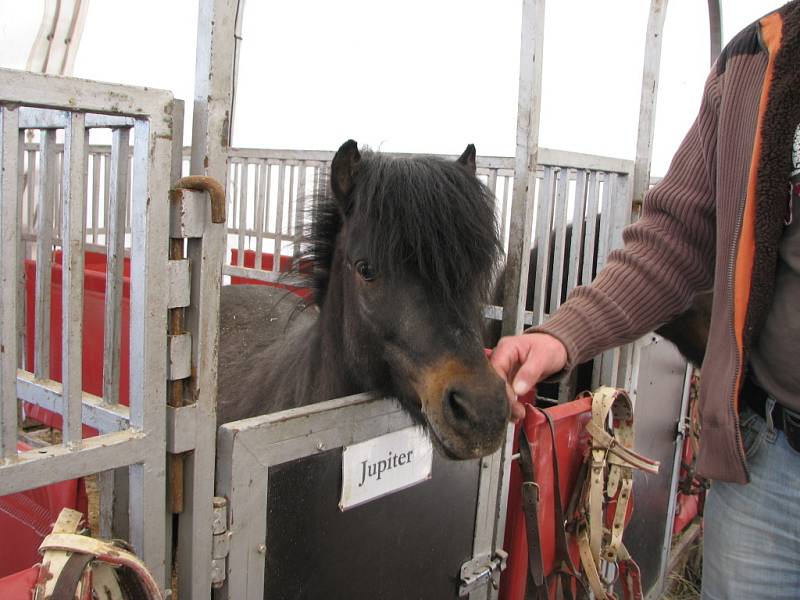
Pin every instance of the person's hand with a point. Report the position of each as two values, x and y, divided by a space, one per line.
523 361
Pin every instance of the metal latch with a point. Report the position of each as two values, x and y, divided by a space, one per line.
221 543
481 570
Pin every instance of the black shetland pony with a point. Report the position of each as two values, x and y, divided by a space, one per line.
404 254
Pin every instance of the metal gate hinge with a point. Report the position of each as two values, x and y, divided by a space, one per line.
482 570
221 543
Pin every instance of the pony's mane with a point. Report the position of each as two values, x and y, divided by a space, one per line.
424 214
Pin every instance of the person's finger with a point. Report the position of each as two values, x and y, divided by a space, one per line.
528 374
517 410
505 358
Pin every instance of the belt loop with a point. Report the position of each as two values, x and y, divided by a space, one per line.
769 408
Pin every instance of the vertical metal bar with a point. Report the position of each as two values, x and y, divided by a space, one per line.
242 223
214 82
148 347
714 29
9 249
76 141
115 251
31 191
107 196
504 225
261 208
592 211
276 254
606 219
578 225
95 196
544 219
647 100
59 197
559 241
22 330
297 227
105 486
493 487
44 253
258 209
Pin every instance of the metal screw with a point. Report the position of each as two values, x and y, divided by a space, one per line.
320 446
261 548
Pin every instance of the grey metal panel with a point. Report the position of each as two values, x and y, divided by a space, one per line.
247 448
658 388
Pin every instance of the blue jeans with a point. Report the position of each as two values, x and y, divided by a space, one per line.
751 538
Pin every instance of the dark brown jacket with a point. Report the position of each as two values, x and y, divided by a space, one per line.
714 220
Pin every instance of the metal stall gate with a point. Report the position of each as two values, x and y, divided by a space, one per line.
47 110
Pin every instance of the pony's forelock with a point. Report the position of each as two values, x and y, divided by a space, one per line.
424 215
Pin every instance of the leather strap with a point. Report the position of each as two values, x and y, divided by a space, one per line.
537 582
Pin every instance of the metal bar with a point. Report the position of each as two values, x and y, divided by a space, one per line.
32 174
73 221
95 195
115 252
261 275
544 219
647 101
214 81
22 330
504 225
262 173
559 242
578 225
47 118
43 466
527 157
152 158
9 249
107 195
297 227
592 210
105 487
606 219
242 222
49 394
276 252
44 254
93 97
547 156
714 30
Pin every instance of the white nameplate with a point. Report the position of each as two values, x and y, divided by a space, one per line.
384 465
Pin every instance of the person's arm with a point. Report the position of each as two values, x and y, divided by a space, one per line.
667 257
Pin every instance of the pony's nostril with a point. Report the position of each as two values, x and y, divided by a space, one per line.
458 407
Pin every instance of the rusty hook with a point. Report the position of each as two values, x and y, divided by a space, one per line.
203 183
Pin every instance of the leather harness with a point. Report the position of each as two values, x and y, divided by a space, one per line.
601 496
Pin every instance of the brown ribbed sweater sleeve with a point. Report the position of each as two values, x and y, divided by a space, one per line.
667 257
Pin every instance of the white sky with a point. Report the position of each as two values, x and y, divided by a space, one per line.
416 76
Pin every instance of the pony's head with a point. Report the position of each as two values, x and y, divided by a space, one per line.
405 251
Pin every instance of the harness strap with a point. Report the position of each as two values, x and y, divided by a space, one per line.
77 564
537 582
612 461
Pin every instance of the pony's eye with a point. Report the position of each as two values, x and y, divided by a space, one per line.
365 271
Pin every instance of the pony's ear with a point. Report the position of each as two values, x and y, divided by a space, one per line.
343 169
467 159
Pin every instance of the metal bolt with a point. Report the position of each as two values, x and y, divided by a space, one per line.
320 446
261 548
